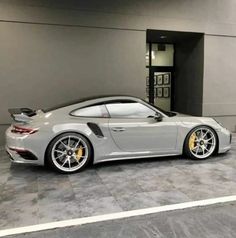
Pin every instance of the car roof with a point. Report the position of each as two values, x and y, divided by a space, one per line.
93 98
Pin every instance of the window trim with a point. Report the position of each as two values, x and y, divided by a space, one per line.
118 100
141 102
99 104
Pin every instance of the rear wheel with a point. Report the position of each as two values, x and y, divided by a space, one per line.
200 143
69 153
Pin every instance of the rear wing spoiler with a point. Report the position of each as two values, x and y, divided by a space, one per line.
22 114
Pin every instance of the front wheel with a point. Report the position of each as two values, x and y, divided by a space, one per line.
69 152
200 143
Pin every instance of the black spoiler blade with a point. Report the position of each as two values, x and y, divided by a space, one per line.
22 114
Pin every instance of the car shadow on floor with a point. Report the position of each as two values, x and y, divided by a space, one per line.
161 160
168 160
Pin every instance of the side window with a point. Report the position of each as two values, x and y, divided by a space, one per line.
91 111
129 109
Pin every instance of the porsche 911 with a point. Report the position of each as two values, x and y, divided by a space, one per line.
68 137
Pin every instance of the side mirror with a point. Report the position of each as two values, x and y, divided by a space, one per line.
158 117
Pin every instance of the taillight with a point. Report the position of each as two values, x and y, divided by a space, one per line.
23 131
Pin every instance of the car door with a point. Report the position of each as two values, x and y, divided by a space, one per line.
134 128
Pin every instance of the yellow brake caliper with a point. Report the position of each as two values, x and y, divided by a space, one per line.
192 141
79 153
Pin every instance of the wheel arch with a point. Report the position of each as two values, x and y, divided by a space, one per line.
194 128
64 132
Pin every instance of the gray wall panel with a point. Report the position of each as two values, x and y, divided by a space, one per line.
219 98
220 76
189 76
210 16
227 121
44 65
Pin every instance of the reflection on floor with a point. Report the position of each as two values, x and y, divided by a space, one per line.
31 195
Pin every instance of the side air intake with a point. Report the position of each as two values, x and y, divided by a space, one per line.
95 129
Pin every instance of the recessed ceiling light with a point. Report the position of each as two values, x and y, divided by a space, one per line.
163 37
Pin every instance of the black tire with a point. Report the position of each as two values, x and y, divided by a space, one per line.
51 161
189 152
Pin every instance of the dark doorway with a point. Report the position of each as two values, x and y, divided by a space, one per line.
174 65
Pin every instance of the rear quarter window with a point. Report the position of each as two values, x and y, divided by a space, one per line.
91 111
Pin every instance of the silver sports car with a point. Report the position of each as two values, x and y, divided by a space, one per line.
70 136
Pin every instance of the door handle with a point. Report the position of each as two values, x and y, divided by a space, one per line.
118 129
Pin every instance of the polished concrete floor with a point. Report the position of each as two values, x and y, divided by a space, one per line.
218 221
31 195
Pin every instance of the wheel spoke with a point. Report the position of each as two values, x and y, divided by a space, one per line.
203 149
69 141
59 151
210 138
66 160
76 145
205 134
59 156
69 162
63 144
197 150
195 147
200 133
81 157
75 158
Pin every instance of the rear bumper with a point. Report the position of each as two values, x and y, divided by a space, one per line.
23 148
19 155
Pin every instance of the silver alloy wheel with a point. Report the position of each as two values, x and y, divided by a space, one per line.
202 142
69 153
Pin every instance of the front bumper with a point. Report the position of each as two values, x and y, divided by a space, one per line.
225 138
